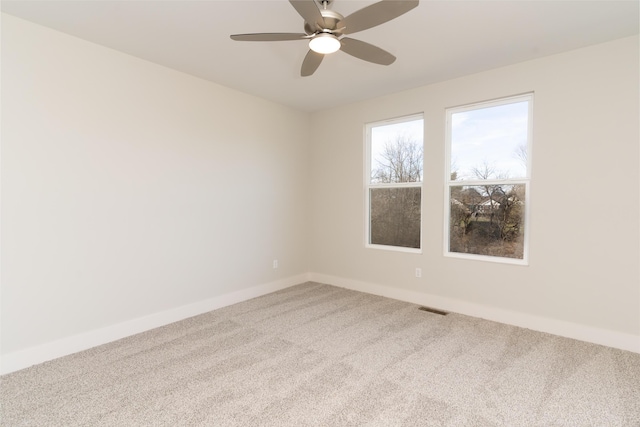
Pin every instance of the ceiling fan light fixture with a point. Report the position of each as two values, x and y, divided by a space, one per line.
324 43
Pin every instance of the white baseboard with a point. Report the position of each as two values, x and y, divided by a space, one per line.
562 328
34 355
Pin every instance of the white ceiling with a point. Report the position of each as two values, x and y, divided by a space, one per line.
438 40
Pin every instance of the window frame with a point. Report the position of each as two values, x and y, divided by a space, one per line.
526 181
368 185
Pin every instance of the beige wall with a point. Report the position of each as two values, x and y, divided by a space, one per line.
584 194
129 189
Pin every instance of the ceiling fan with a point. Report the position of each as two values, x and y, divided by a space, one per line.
325 30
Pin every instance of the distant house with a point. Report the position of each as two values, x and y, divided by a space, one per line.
487 206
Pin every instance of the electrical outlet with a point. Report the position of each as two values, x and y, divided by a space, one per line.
418 272
275 263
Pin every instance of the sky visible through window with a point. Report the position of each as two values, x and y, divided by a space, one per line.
382 134
490 139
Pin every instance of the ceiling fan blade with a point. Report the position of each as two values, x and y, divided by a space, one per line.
366 51
376 14
268 37
309 11
311 63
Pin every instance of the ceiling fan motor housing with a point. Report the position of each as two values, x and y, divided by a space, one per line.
331 20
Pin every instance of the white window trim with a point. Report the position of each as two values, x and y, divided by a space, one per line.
368 185
526 181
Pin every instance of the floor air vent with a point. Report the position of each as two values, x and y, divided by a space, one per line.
433 310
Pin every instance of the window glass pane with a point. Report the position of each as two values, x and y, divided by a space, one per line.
490 143
396 152
395 216
487 220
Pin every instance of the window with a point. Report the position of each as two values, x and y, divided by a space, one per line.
487 180
393 183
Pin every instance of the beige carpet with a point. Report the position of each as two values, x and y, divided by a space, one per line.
319 355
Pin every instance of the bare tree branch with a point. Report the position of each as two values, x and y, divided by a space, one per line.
400 161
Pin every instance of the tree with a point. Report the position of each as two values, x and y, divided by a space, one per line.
521 154
493 192
400 161
395 210
487 219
